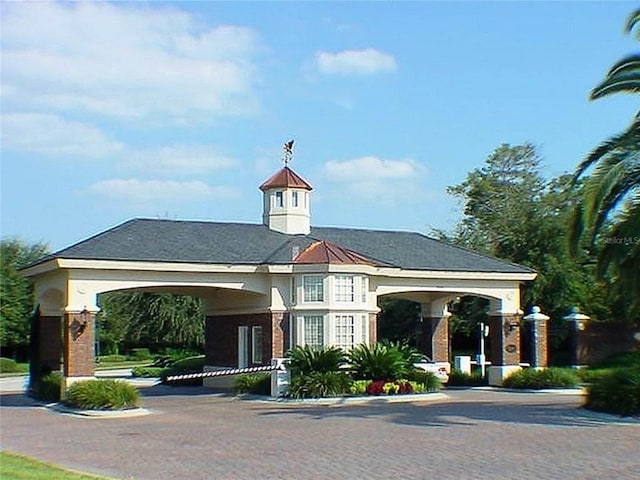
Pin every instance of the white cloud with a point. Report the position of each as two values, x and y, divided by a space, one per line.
376 179
360 62
51 135
125 61
146 191
178 160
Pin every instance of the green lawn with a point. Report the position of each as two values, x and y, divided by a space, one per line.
19 467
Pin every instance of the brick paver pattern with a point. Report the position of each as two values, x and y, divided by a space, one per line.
473 434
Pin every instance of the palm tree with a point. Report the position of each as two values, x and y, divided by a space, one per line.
610 205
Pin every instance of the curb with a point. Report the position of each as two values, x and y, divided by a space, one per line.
129 413
375 399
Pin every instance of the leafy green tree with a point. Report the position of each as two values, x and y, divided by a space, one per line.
397 320
610 206
511 212
16 291
153 319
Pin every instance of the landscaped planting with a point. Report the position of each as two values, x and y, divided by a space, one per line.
614 384
617 391
258 384
537 379
7 365
381 369
461 379
102 395
49 388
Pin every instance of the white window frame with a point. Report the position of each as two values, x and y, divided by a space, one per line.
256 344
313 330
344 330
279 198
294 199
313 292
344 288
364 289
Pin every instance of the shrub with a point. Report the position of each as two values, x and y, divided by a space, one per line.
49 388
536 379
428 380
461 379
102 395
140 354
410 354
8 365
620 360
378 362
618 392
381 387
148 372
258 384
359 387
306 360
319 385
111 359
184 366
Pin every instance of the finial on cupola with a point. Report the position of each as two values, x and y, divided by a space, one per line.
287 153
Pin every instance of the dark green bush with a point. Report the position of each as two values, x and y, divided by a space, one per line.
320 385
548 378
258 384
8 365
184 366
111 359
102 395
618 391
49 388
148 372
460 379
140 354
378 362
428 380
306 360
620 360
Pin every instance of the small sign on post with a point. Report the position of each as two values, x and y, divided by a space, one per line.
280 377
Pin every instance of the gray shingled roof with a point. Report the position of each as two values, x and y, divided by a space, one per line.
241 243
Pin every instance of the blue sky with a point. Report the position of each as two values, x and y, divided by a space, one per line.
179 110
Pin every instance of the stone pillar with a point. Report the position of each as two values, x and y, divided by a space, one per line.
504 331
78 345
537 325
578 339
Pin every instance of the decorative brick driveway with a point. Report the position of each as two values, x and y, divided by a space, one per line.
473 434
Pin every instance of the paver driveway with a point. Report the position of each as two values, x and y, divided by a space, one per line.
472 434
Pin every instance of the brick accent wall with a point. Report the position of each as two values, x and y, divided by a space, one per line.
435 338
505 343
50 343
78 345
221 337
599 340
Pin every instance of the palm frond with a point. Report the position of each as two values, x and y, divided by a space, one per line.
632 21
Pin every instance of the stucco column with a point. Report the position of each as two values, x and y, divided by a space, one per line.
78 341
435 331
537 325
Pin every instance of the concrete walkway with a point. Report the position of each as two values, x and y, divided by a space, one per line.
469 434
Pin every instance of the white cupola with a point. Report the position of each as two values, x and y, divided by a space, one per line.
286 200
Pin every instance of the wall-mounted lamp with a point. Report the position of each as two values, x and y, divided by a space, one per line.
84 317
80 323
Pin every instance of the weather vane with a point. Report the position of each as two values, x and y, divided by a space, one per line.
287 153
